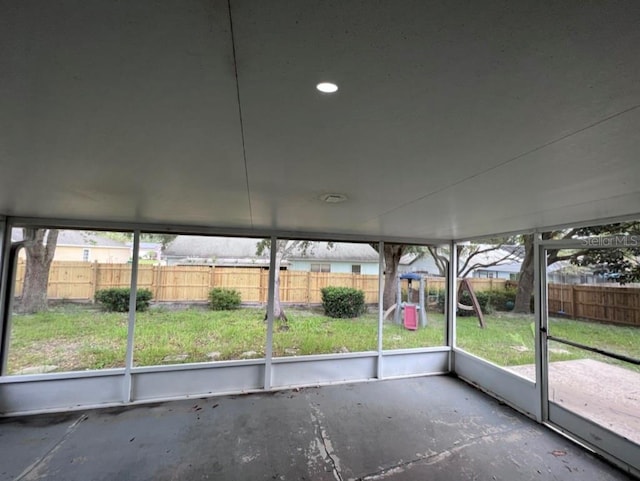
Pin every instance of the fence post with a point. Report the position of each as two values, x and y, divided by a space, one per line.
94 281
574 302
263 296
308 288
155 283
212 280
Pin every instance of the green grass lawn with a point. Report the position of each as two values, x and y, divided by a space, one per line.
72 337
508 340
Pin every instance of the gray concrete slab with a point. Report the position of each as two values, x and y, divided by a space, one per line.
435 428
604 393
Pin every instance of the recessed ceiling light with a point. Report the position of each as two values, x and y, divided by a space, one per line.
327 87
333 198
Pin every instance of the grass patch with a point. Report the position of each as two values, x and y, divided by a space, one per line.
72 338
508 340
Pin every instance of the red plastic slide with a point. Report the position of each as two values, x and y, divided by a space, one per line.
411 317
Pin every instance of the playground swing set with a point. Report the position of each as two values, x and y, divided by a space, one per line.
413 314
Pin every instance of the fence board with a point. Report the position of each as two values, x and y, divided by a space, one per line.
615 304
80 280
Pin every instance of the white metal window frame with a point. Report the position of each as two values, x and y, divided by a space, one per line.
531 397
37 393
616 448
130 385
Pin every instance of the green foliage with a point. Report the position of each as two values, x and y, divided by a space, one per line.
501 300
78 338
221 299
342 302
116 299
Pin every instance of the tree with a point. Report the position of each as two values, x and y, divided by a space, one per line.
522 303
163 239
615 262
40 247
284 249
392 255
475 256
471 256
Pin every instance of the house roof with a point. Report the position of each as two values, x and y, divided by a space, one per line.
212 247
77 238
504 255
338 251
245 249
513 267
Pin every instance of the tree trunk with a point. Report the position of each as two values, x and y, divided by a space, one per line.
525 282
392 255
278 311
39 257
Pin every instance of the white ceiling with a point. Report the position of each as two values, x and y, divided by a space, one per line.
453 119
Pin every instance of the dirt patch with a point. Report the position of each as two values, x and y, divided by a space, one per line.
63 353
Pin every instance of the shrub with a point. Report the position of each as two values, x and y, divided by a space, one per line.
221 299
117 299
490 301
342 302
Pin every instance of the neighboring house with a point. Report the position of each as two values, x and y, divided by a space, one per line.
76 245
340 257
420 263
150 251
507 259
218 251
508 271
564 272
337 257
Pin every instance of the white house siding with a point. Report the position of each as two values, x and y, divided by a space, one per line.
423 264
493 274
370 268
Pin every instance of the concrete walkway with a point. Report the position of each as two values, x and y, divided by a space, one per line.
435 428
604 393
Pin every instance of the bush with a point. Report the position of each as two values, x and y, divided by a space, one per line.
490 301
342 302
221 299
117 299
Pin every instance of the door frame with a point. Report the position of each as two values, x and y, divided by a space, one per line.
614 447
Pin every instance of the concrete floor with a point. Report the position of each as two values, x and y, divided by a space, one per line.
435 428
604 393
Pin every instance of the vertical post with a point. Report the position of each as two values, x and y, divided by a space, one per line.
423 304
397 313
6 284
380 370
540 309
155 283
212 279
94 281
128 385
309 288
268 352
261 287
452 303
574 302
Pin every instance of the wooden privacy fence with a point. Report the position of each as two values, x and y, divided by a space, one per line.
79 281
596 302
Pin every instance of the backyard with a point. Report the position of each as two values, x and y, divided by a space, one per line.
73 337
